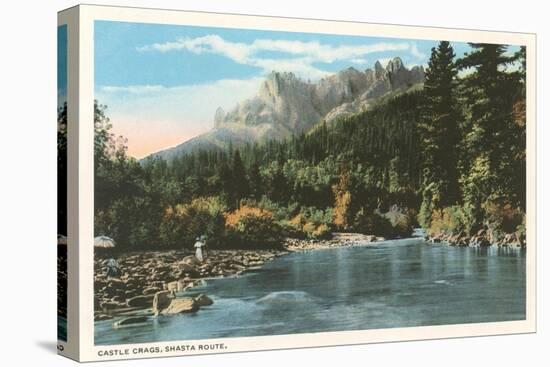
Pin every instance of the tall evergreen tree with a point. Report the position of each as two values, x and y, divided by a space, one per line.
240 181
492 135
439 132
255 180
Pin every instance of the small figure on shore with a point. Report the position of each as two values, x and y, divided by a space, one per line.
112 268
198 245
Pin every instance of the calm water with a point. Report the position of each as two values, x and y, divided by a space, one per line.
391 284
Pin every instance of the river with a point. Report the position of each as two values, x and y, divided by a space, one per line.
389 284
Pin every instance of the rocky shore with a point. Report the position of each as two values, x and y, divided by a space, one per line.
482 238
337 240
159 282
152 280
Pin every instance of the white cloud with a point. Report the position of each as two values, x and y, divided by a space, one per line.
416 53
299 56
359 61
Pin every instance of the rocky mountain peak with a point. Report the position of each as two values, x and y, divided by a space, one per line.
294 104
395 65
286 104
379 70
278 83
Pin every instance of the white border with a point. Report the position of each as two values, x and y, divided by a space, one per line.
89 13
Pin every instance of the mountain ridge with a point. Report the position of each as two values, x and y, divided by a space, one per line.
286 105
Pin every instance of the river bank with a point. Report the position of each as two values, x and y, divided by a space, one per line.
482 238
151 281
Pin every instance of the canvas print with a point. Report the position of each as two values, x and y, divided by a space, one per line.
62 182
257 183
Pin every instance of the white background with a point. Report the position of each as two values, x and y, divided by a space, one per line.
28 182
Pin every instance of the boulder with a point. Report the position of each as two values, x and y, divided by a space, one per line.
140 301
203 300
118 298
186 267
161 300
108 305
130 321
172 286
191 260
150 290
181 305
102 317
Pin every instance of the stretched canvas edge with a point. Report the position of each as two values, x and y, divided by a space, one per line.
84 262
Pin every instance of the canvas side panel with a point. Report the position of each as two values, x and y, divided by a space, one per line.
67 186
62 182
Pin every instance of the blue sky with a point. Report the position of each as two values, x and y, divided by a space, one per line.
163 83
61 64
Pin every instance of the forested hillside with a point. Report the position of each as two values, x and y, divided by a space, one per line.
449 157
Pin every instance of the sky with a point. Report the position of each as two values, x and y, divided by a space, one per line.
61 65
163 83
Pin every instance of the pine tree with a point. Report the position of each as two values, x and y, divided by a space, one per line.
255 180
439 132
240 182
493 136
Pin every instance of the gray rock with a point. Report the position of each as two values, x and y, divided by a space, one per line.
102 317
161 300
130 321
150 290
108 305
203 300
140 301
181 305
287 105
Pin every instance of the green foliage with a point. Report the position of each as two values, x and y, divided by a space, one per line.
342 209
494 143
439 131
449 220
503 218
426 208
373 222
453 151
182 223
311 223
252 227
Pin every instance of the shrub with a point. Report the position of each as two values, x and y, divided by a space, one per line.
182 223
449 220
425 213
288 229
280 212
322 232
253 227
502 217
312 223
372 222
